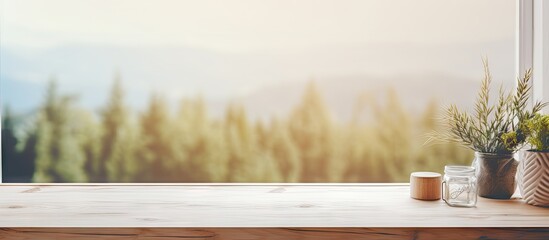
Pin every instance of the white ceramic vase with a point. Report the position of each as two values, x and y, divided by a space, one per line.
533 178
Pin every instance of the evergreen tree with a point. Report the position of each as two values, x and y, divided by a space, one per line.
88 133
116 162
156 151
359 164
310 128
393 133
28 155
199 145
238 137
59 157
14 168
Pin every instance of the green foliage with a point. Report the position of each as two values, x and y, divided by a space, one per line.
199 144
538 132
69 144
118 144
283 150
493 128
156 151
311 128
15 168
59 156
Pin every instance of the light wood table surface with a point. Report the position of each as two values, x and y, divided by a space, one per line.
255 211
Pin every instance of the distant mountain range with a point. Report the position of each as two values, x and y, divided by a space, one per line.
340 95
267 84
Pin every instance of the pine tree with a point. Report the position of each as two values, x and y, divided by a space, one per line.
13 169
89 137
393 133
359 165
310 128
59 157
117 160
28 154
239 143
198 149
156 150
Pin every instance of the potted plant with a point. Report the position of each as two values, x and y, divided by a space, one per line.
533 170
495 132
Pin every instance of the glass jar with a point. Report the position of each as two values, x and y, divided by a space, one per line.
459 187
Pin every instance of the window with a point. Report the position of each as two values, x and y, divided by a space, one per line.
241 91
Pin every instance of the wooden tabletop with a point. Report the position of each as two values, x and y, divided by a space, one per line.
249 206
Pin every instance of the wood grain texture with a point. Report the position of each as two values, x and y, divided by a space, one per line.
249 206
425 185
271 233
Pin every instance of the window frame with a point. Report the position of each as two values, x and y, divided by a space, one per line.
531 48
532 45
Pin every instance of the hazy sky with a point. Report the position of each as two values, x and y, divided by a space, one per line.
251 25
229 48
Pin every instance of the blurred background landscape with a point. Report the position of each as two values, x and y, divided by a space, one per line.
240 91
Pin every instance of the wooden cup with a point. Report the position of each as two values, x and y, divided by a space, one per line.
425 185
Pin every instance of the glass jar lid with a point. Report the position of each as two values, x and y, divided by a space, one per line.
459 170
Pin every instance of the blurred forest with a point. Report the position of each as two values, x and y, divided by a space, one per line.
70 144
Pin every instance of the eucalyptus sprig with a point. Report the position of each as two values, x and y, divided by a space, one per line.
498 128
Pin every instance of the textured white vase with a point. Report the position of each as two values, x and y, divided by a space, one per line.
533 178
